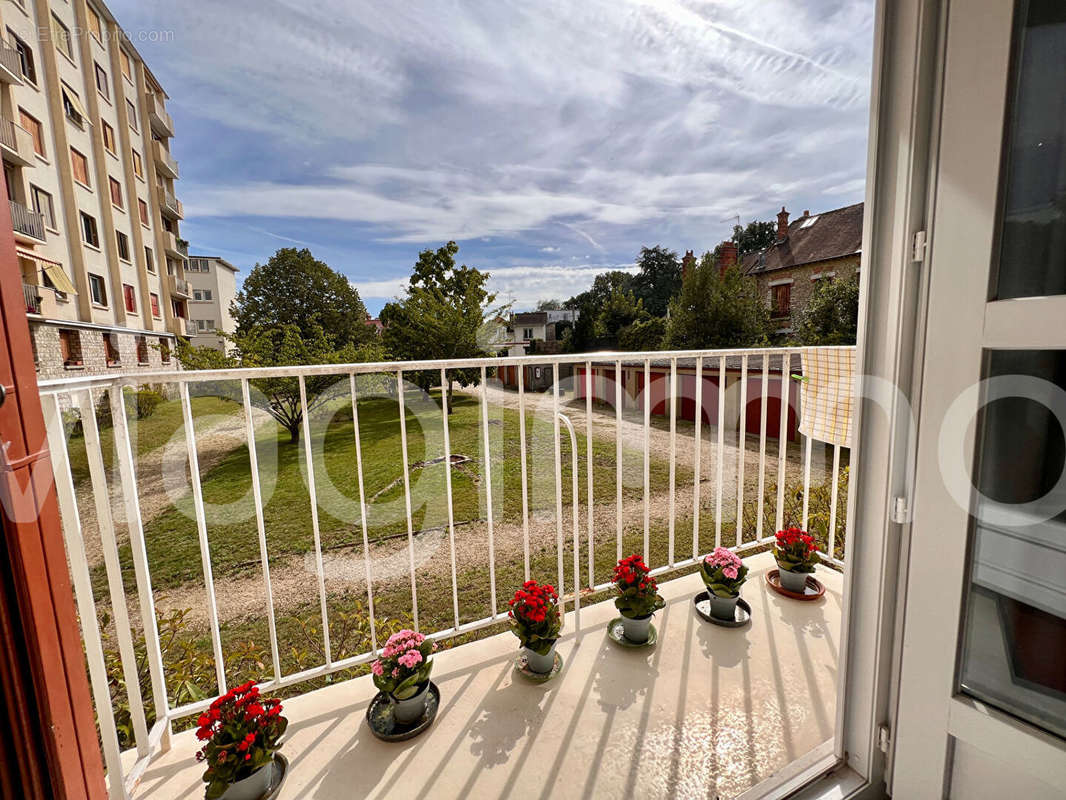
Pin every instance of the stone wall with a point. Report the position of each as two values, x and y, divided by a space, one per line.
803 284
48 352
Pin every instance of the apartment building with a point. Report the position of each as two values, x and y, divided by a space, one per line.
85 139
213 283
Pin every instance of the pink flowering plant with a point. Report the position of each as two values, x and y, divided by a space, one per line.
404 664
240 732
723 573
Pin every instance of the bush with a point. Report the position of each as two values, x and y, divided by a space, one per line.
143 402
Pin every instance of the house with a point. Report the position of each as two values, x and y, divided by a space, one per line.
542 331
812 248
213 283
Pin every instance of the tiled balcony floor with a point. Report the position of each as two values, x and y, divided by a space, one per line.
709 711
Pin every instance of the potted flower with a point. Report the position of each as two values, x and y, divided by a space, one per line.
402 672
536 620
723 573
797 556
240 732
638 597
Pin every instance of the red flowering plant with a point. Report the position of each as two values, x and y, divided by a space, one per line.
240 732
796 551
535 616
638 593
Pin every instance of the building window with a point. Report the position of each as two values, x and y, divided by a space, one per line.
781 299
205 325
33 125
94 24
80 164
129 296
527 333
70 348
154 299
26 62
123 245
61 37
72 106
149 259
142 211
201 294
109 137
132 110
43 205
97 290
101 82
164 351
116 192
127 66
89 233
114 358
138 166
142 349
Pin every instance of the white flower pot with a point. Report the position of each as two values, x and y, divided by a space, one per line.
541 664
254 787
724 608
793 581
636 629
411 710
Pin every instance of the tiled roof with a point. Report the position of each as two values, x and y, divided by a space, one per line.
818 237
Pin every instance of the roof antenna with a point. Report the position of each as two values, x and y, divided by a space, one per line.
735 218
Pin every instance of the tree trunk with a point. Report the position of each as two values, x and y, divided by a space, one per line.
451 396
294 433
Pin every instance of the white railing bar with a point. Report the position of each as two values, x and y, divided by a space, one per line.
721 453
83 594
362 515
590 498
762 445
201 533
833 496
106 525
407 495
558 481
672 399
257 496
618 456
135 530
488 489
134 773
577 525
448 493
312 491
806 482
697 440
647 459
742 447
525 469
314 370
782 440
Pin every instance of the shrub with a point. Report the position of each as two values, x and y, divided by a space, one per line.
143 402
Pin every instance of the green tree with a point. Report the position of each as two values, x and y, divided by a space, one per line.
659 278
582 337
644 334
832 314
441 317
549 305
717 311
754 237
295 288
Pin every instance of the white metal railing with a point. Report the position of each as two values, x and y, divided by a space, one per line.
711 367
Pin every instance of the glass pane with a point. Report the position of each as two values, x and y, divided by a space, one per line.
1014 642
1032 257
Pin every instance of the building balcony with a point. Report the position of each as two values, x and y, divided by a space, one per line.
179 287
160 120
164 161
28 225
32 297
170 205
16 144
174 246
10 64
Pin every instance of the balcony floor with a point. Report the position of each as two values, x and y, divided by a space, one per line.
709 711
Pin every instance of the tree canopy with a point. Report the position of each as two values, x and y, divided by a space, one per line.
717 311
832 314
659 278
582 336
295 288
755 236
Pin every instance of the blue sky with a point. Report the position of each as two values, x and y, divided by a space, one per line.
550 139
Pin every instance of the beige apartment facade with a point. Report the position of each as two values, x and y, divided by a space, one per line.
85 138
213 283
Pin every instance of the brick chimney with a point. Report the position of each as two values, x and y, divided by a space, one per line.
782 225
688 263
727 256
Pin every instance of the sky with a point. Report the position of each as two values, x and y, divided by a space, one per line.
551 140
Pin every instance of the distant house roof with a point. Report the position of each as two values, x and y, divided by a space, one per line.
811 238
375 323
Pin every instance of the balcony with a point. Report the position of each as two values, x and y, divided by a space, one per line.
160 120
164 161
173 245
16 144
707 710
179 287
170 205
32 297
10 64
28 225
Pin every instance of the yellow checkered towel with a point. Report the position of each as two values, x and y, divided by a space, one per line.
828 389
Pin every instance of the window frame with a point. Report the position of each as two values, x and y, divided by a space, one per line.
36 131
143 214
66 38
114 185
153 300
97 290
26 58
131 116
50 214
95 23
104 86
122 242
76 154
129 297
108 133
149 259
85 217
138 164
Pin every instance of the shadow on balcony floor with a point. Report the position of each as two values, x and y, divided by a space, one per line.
708 711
